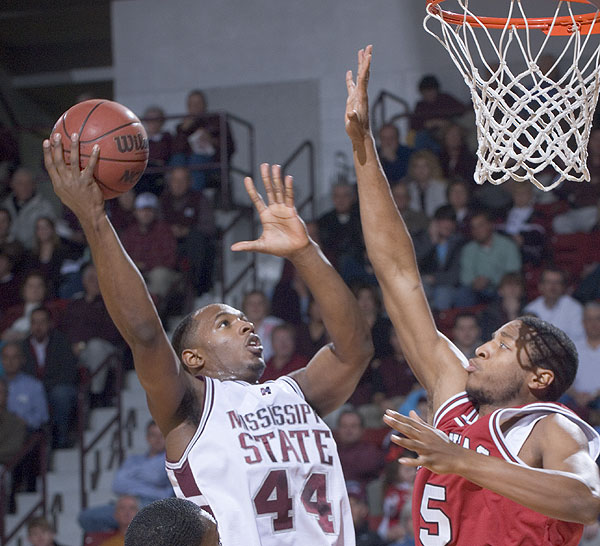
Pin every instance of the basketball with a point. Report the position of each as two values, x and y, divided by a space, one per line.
119 133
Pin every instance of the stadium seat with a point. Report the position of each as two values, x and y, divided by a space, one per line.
574 251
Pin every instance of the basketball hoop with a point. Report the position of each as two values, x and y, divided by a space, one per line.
527 123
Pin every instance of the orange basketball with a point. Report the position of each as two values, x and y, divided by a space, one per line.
119 133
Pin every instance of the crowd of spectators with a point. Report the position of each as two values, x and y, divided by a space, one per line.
486 255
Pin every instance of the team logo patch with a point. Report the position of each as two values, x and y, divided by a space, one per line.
265 390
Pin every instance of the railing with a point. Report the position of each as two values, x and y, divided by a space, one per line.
389 108
35 440
114 422
308 147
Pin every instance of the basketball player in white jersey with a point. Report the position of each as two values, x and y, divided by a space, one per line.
503 463
259 457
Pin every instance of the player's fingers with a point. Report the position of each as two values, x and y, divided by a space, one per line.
75 171
349 82
255 197
417 424
265 173
407 443
277 184
88 172
401 426
48 161
247 246
409 461
58 156
289 190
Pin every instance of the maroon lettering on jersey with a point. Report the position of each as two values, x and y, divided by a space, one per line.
286 447
257 458
325 459
299 435
264 438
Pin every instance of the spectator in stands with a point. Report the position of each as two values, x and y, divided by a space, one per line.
583 199
26 399
459 197
416 220
433 113
13 432
394 377
160 144
485 260
369 302
357 496
142 477
586 387
121 211
40 532
25 206
151 245
339 229
510 305
198 141
392 154
126 509
312 334
286 359
466 334
521 224
33 294
172 521
8 243
458 162
9 157
48 254
13 429
361 461
48 357
290 296
192 222
438 256
426 185
398 482
555 306
256 308
589 287
9 282
26 394
91 332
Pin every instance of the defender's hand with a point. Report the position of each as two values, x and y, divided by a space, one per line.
434 448
284 233
357 104
75 187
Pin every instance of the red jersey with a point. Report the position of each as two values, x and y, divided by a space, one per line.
450 510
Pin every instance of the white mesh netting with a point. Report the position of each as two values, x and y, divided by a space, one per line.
529 122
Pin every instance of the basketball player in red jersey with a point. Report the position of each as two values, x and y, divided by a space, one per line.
502 463
259 456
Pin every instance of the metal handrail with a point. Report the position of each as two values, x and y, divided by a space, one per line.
309 147
36 439
379 110
82 397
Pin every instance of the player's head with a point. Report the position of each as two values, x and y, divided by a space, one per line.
528 359
219 341
172 521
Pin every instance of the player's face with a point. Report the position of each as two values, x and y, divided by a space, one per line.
499 372
211 537
228 344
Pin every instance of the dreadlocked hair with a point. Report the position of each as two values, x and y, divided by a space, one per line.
548 347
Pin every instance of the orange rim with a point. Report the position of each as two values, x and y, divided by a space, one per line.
561 26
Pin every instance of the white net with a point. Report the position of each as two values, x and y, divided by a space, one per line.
531 125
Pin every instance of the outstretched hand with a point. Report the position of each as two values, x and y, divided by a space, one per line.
357 104
75 187
284 232
434 449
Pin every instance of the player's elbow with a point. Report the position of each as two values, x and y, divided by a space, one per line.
586 508
145 333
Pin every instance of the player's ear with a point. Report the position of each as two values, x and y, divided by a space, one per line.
541 379
193 359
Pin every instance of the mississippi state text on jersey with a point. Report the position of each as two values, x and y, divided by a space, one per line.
449 510
266 465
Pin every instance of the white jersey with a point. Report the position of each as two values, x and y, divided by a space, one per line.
266 465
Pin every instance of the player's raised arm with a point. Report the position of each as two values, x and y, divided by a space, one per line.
433 359
332 375
122 286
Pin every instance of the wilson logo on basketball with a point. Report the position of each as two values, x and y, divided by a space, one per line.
129 143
